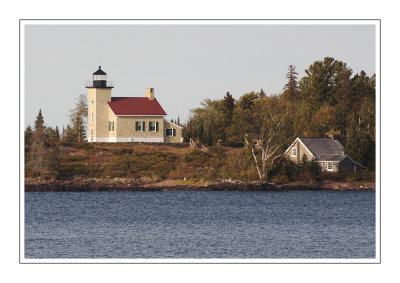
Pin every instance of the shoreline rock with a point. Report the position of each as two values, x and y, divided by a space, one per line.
131 185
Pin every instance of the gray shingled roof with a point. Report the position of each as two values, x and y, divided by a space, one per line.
331 157
322 146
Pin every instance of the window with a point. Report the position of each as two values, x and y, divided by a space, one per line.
329 166
91 133
99 77
140 126
153 126
91 115
111 126
168 132
294 151
92 102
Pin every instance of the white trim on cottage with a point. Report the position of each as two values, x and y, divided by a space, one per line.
298 139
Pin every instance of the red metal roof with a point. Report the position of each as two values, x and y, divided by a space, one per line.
135 106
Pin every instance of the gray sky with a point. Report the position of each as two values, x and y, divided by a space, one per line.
184 63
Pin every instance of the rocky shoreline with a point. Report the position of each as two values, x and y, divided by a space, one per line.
131 185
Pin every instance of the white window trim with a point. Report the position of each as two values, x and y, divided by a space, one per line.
327 165
172 132
111 129
294 149
140 123
155 126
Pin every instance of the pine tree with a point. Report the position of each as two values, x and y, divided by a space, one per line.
28 137
229 104
57 135
38 149
53 160
291 89
70 136
262 94
39 122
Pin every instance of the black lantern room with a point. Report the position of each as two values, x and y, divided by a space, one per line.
99 80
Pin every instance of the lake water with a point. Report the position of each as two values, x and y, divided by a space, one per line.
185 224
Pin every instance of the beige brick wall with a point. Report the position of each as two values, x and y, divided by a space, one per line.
178 129
100 110
126 127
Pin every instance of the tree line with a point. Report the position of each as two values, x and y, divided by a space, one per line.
42 142
329 101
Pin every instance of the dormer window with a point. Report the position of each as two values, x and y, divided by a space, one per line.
294 151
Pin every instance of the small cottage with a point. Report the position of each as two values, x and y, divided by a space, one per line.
328 152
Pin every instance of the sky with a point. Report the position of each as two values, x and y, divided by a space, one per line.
185 64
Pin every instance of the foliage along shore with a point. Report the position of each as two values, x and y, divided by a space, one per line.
127 184
239 139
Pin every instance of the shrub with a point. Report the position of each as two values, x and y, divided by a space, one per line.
280 179
187 158
121 150
217 150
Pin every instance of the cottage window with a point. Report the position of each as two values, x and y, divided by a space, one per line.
168 132
294 151
153 126
329 166
111 126
140 126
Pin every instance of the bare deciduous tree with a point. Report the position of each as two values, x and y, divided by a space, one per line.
266 136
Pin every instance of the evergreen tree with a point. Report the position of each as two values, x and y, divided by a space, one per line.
53 160
229 105
28 137
39 122
38 149
70 136
52 136
317 87
247 100
58 139
262 94
291 89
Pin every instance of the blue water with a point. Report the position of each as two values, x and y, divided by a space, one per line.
183 224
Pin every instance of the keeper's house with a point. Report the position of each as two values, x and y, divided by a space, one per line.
327 151
126 119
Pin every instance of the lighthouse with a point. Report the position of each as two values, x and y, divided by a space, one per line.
99 94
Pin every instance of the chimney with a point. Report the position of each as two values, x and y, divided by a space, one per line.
150 93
